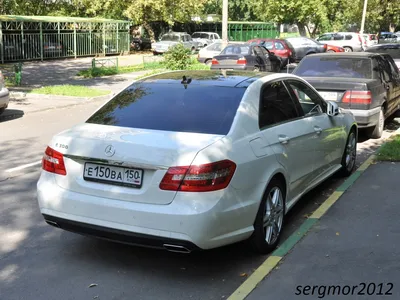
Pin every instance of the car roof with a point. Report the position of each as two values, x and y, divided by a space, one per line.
344 54
207 77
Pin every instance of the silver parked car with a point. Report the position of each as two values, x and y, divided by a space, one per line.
350 41
205 38
4 94
173 38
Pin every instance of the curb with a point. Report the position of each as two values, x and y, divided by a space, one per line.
276 256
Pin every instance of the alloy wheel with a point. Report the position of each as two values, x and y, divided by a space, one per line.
273 215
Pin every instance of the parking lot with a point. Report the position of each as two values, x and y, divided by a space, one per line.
41 262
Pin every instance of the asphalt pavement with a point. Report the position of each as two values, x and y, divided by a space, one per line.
353 250
38 261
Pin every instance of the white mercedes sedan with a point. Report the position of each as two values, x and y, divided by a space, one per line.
194 160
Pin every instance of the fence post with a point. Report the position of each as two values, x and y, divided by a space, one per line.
22 40
104 39
75 39
58 38
1 43
117 37
93 63
117 63
128 44
41 41
90 39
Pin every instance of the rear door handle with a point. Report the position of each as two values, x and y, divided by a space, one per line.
283 139
317 129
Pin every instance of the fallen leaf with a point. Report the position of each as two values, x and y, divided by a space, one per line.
243 274
93 284
337 233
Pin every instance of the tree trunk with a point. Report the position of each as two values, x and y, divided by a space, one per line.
150 31
302 29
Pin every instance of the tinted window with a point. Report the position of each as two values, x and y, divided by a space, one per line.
338 37
392 50
325 37
349 37
276 105
334 67
171 107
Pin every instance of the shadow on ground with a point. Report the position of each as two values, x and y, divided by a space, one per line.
67 263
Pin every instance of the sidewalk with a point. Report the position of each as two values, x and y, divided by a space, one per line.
352 252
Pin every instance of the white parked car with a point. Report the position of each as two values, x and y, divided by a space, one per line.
349 41
4 94
173 38
206 54
205 38
193 160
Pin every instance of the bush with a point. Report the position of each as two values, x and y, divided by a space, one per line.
177 58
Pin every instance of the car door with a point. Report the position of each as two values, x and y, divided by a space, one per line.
395 77
260 58
289 135
389 84
329 132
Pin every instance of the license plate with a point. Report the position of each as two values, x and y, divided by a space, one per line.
113 175
329 96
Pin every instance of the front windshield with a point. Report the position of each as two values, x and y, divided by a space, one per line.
170 38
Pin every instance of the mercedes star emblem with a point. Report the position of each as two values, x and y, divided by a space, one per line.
110 150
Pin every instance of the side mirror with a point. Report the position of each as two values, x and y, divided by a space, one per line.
333 109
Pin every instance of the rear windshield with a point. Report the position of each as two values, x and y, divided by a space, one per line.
236 49
334 67
172 107
392 50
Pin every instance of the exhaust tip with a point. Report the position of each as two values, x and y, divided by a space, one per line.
176 248
52 223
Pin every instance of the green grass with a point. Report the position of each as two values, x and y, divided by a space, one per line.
108 71
70 90
390 151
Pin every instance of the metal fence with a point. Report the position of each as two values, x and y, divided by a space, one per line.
20 41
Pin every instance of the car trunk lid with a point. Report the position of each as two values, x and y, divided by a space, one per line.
139 158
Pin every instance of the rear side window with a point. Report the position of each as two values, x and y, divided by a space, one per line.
268 45
279 46
335 67
172 107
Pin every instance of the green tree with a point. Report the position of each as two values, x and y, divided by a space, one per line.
146 11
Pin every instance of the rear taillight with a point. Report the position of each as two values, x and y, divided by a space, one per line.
241 61
214 62
53 162
357 97
202 178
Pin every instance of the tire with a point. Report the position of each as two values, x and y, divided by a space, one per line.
2 110
377 131
349 155
347 49
256 69
330 51
208 62
263 239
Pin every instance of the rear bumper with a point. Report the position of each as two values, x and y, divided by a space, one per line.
188 221
231 67
4 98
120 236
366 118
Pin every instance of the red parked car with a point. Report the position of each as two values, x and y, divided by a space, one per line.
278 47
331 48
